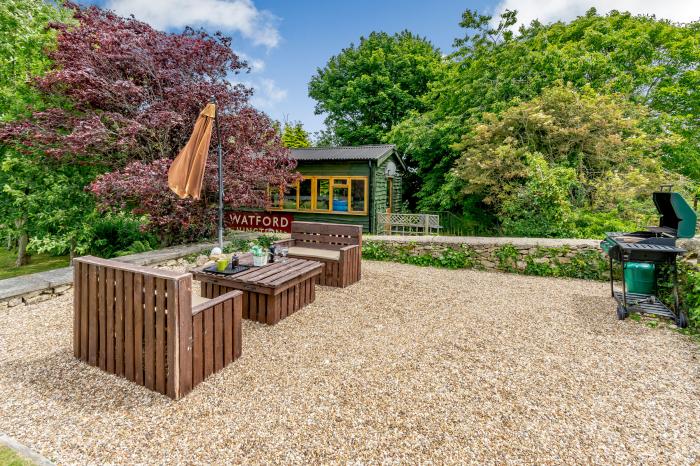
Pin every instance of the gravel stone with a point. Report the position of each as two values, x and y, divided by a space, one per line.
410 365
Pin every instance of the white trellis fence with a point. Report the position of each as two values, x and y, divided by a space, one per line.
407 224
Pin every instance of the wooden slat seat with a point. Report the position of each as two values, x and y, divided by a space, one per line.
338 246
295 251
197 300
145 325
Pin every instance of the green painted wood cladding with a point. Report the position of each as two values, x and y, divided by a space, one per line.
343 191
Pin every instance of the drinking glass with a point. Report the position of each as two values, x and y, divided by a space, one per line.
284 252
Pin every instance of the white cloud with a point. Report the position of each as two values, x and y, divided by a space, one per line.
266 93
228 15
553 10
256 65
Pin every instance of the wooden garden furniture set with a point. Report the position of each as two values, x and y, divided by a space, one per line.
270 293
146 325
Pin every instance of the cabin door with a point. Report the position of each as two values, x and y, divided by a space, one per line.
389 194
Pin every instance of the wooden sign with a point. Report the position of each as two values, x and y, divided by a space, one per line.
259 221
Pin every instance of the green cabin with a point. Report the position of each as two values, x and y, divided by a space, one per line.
344 185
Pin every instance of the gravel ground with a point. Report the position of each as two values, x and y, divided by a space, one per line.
409 365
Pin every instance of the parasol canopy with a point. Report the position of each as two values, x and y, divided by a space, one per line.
186 173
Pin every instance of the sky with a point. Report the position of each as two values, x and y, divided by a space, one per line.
286 41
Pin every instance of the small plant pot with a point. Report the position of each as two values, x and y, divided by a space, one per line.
260 260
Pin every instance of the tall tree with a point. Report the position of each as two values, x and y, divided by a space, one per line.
560 164
649 61
133 94
294 135
366 89
24 42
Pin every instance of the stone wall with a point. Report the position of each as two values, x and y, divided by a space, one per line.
536 256
37 287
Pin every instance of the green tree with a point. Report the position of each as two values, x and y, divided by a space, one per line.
648 61
294 136
366 89
24 43
542 163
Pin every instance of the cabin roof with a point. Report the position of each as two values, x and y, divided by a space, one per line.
367 152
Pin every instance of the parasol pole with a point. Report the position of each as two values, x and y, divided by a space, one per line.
221 176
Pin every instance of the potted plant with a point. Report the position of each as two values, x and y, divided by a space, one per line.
259 255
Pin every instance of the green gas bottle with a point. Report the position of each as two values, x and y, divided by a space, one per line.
640 277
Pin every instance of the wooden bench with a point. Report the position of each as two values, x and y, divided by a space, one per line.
339 247
271 292
145 325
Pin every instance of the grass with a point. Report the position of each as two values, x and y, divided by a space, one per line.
9 458
37 263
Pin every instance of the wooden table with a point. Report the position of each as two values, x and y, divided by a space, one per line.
271 292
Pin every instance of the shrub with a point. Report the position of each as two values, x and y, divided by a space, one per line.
119 235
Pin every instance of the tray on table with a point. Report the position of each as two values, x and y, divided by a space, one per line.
228 270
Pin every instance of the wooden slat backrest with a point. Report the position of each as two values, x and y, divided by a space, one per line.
135 322
326 234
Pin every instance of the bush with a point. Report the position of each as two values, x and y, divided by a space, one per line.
119 235
541 207
688 289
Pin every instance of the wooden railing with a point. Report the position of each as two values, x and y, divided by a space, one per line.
407 224
138 323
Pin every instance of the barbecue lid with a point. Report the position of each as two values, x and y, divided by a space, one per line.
675 212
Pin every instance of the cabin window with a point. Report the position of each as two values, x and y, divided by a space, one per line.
276 197
358 192
305 194
342 194
323 194
289 201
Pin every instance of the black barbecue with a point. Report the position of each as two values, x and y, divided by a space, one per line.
656 246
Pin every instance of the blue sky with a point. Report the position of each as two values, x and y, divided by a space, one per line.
286 41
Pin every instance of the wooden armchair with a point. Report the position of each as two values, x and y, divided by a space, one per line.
339 247
140 323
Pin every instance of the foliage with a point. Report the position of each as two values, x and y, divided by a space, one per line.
257 250
644 60
24 39
48 200
142 189
265 241
294 136
368 88
507 257
130 97
547 166
237 245
548 262
405 253
688 289
120 235
29 202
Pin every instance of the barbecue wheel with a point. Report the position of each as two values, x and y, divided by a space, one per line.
682 320
622 313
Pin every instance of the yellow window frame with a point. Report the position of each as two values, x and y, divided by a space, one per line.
331 185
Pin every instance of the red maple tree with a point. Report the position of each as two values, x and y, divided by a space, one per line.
125 99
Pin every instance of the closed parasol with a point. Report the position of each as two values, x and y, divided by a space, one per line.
186 173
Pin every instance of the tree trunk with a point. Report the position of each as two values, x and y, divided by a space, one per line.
22 257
